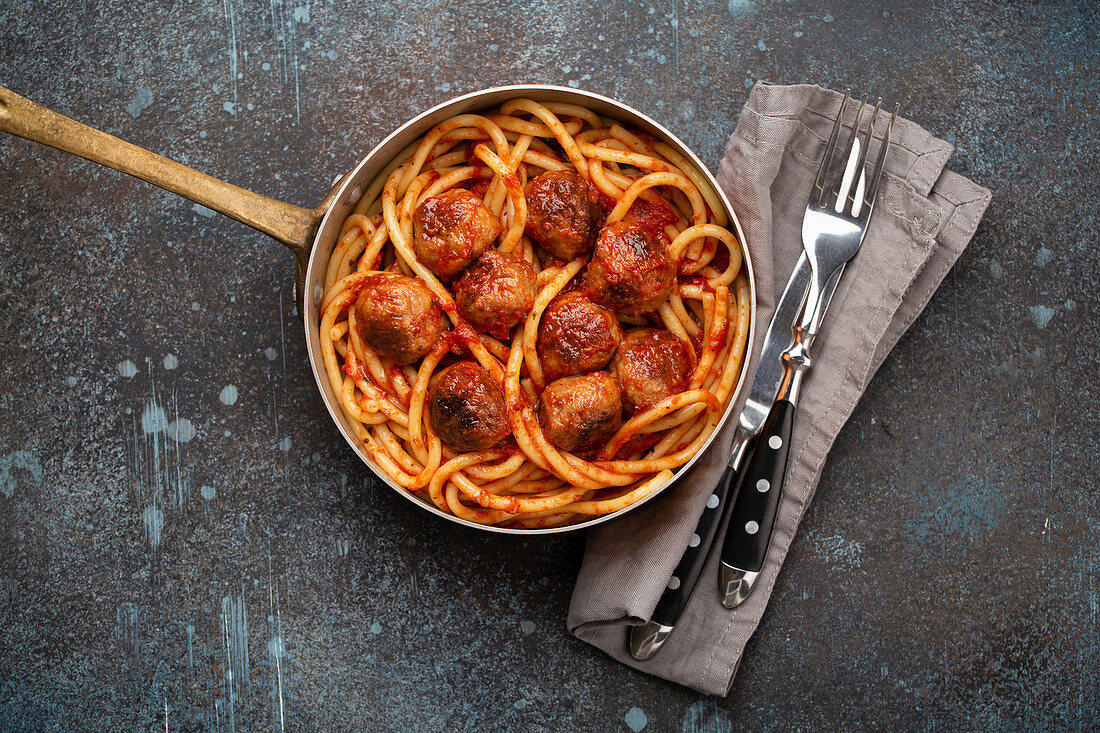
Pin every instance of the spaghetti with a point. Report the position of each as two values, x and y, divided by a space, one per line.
485 162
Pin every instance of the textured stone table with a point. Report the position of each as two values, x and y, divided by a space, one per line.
187 543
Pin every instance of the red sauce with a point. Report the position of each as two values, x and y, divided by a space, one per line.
448 307
718 335
636 443
462 337
695 280
354 368
605 202
480 187
653 215
721 259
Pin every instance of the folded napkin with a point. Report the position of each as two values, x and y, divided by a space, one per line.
924 217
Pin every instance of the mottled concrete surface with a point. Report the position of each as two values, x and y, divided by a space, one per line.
184 536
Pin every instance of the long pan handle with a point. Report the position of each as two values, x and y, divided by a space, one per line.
292 225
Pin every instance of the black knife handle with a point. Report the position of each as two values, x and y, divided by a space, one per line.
690 567
646 640
753 515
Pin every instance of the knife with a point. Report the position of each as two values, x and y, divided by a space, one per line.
647 639
755 507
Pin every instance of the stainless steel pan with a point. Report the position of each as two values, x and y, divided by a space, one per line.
311 234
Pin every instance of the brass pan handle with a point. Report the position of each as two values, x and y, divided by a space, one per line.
292 225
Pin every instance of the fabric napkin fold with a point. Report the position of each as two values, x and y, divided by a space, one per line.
924 217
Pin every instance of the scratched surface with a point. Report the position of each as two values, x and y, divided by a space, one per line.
186 543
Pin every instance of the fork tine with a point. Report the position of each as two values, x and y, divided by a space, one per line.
876 174
830 148
832 192
850 199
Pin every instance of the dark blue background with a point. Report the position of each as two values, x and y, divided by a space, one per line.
163 553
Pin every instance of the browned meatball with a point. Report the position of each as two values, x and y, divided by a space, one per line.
630 272
576 335
562 214
496 293
451 230
650 365
466 408
579 413
397 317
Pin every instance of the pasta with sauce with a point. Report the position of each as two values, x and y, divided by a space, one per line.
535 315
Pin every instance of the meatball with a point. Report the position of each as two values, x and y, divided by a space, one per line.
630 272
562 214
650 365
579 413
451 230
466 408
397 317
576 335
496 293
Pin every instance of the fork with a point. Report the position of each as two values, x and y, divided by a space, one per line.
833 229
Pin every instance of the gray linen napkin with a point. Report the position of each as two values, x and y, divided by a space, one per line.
923 219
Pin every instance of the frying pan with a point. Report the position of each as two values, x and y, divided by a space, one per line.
311 234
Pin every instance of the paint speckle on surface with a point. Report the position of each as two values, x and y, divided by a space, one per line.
127 368
208 492
705 717
230 107
153 519
126 626
71 381
228 395
181 430
968 511
740 8
276 648
835 551
20 459
234 622
284 444
1041 315
521 703
301 14
153 418
635 719
376 628
828 18
270 353
526 626
203 211
171 361
1071 305
1043 257
141 101
761 46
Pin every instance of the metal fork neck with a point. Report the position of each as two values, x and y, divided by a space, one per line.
796 361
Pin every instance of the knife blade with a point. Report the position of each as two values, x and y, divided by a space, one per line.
647 639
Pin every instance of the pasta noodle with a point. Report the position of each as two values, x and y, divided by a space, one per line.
527 481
